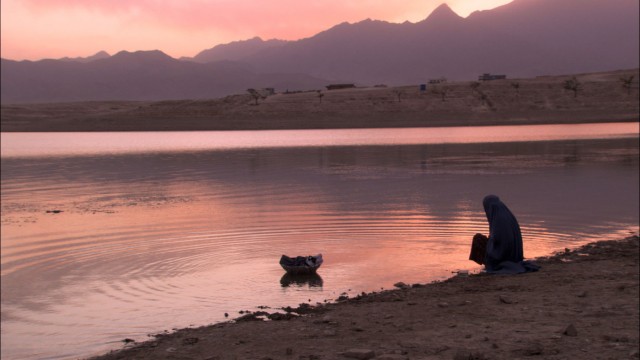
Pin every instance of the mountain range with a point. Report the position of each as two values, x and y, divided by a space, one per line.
524 38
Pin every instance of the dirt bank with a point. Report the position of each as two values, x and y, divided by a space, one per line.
583 304
600 97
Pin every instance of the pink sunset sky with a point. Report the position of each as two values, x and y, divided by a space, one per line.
37 29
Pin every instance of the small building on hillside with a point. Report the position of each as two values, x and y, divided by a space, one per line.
340 86
488 77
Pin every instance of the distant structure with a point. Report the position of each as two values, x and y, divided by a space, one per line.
488 77
423 87
439 80
340 86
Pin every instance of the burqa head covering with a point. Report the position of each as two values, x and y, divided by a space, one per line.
504 248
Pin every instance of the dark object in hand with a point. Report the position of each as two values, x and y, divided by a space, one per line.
478 248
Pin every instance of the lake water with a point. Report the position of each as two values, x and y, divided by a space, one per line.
167 230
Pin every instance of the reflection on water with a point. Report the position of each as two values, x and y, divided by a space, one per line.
150 241
61 144
310 280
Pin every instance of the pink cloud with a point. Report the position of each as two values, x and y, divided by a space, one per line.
289 19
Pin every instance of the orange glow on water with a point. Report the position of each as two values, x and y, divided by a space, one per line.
149 240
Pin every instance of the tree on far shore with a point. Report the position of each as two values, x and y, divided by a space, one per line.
516 85
442 91
627 83
574 85
255 95
398 93
475 85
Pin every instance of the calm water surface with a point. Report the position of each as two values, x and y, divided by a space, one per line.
168 230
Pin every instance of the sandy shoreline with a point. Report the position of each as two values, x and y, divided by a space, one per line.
542 100
583 304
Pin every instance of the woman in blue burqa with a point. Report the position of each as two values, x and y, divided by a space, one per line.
501 252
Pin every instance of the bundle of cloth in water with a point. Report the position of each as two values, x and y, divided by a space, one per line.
298 261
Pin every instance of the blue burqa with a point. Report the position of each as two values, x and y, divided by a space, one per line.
504 248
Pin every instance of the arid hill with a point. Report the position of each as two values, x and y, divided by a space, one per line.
599 97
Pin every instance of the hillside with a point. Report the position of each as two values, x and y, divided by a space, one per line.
135 76
601 98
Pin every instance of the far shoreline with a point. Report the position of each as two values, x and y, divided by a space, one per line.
600 98
441 124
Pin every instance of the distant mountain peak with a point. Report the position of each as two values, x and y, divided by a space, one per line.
142 54
236 50
443 14
255 39
97 56
100 54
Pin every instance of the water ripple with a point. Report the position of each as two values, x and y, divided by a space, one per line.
146 242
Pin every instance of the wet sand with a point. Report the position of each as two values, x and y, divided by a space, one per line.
582 304
542 100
